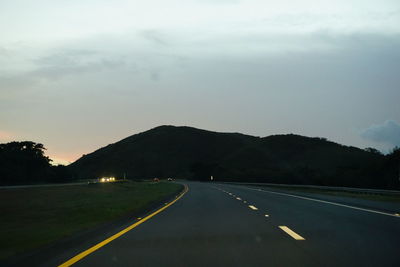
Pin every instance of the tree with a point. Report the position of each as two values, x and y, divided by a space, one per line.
23 162
373 150
392 168
202 171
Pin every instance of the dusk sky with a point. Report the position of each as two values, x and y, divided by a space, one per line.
78 75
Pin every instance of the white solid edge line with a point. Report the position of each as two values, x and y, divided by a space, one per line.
291 233
326 202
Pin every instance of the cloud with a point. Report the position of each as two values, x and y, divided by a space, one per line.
59 64
4 51
388 132
218 2
73 62
154 36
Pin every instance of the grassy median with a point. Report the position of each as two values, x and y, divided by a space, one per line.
33 217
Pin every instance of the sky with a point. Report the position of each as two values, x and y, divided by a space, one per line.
78 75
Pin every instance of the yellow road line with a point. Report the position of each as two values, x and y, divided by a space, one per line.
291 233
124 231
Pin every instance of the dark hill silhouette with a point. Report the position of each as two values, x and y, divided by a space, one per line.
304 160
161 152
185 152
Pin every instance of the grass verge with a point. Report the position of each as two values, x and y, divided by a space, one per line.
34 217
362 195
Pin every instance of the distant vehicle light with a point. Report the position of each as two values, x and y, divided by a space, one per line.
107 179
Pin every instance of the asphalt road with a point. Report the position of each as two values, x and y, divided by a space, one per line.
230 225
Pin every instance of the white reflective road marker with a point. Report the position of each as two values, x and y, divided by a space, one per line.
252 207
291 233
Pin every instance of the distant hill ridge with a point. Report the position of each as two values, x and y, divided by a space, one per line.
190 153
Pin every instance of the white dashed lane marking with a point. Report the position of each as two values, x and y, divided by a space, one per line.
291 233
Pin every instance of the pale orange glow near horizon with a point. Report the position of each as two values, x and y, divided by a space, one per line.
5 136
62 158
58 156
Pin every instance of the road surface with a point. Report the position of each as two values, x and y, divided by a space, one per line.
232 225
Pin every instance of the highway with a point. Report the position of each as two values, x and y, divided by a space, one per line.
237 225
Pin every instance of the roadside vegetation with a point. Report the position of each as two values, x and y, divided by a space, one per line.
34 217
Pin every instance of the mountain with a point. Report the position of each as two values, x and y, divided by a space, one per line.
186 152
161 152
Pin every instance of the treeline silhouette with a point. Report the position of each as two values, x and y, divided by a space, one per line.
190 153
25 163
